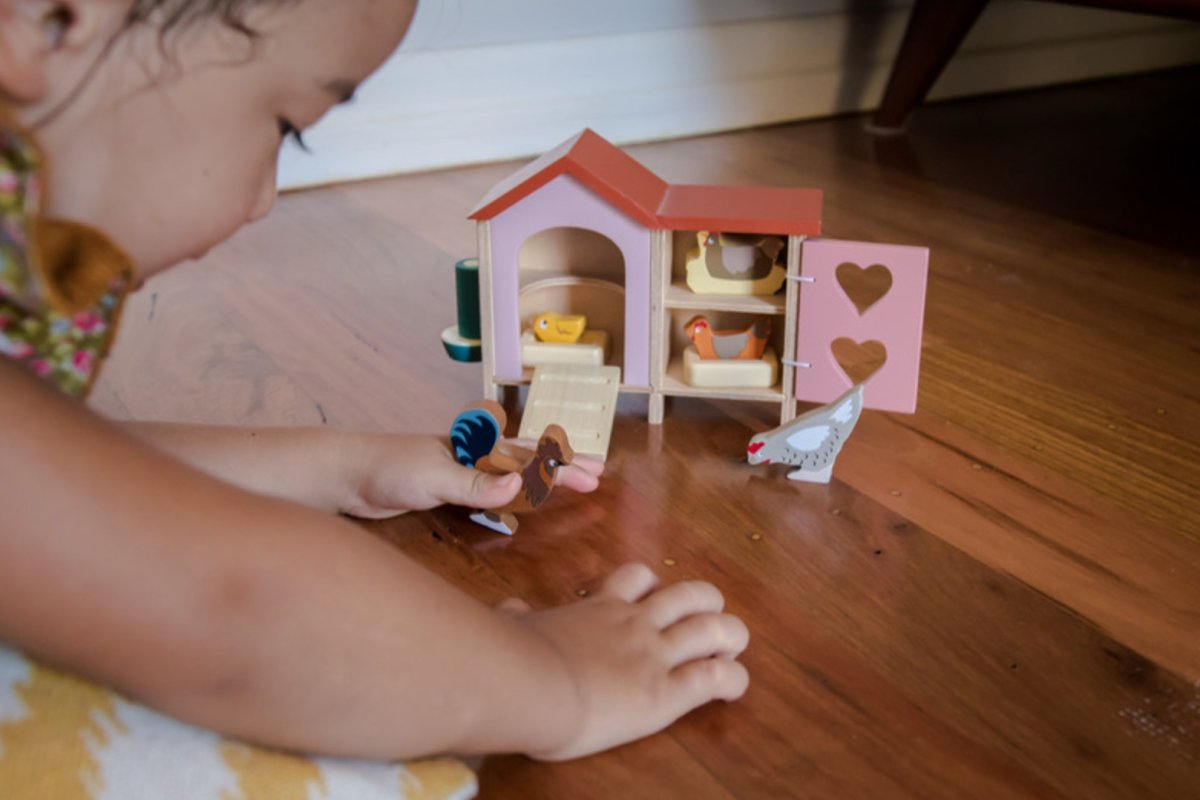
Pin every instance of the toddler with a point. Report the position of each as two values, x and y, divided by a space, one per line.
146 557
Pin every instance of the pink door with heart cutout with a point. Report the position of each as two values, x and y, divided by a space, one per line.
862 307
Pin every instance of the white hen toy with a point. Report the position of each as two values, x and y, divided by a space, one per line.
811 441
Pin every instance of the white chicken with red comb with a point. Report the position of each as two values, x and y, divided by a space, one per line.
811 441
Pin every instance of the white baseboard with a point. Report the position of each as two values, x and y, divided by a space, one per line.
441 108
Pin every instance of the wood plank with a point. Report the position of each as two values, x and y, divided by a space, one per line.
681 297
583 400
837 658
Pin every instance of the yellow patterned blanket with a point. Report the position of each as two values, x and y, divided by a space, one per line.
64 739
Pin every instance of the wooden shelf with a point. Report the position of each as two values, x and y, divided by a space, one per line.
681 297
527 378
675 386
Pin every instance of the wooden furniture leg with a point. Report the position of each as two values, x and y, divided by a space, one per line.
935 30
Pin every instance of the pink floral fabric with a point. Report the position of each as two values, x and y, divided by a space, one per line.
62 346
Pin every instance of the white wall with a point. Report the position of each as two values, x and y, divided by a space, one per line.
448 24
483 80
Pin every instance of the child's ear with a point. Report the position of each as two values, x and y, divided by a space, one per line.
31 31
26 40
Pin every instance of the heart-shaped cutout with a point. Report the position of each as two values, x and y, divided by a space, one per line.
859 360
864 287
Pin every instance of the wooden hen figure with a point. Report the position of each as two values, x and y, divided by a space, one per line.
812 441
739 257
476 436
749 343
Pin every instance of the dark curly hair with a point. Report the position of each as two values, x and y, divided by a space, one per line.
171 14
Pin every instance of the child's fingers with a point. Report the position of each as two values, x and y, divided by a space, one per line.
589 464
698 682
514 606
476 489
576 478
630 583
667 606
704 636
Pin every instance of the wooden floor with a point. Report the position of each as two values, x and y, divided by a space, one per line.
998 596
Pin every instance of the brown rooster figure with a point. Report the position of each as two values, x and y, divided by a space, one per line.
748 344
537 469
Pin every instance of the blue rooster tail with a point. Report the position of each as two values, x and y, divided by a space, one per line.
473 435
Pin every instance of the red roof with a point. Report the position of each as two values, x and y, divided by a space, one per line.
611 173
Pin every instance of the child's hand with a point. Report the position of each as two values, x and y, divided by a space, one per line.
401 473
641 656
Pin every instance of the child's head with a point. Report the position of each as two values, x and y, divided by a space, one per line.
161 120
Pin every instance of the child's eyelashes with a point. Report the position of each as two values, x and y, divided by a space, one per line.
289 131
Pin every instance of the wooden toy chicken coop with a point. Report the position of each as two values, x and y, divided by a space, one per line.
586 230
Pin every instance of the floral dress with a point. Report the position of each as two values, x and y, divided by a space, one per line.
63 738
61 284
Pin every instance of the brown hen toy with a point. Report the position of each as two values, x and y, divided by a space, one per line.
748 343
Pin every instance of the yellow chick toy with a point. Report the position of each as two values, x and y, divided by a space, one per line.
559 328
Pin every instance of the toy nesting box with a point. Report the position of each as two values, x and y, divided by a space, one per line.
586 229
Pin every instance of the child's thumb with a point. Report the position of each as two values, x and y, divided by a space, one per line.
491 491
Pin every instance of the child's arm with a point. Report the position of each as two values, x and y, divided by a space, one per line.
364 475
287 626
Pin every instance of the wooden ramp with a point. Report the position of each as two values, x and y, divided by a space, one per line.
582 399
